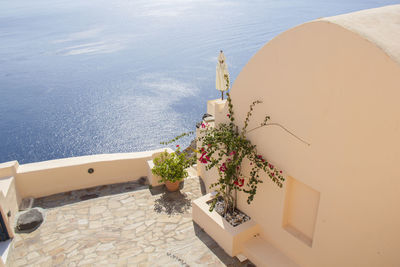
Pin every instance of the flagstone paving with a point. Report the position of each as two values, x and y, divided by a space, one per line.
120 225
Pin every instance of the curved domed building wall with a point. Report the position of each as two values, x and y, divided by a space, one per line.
335 83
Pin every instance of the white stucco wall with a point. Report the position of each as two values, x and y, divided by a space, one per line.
55 176
339 91
62 175
8 202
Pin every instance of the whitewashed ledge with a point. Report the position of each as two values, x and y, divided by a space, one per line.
55 176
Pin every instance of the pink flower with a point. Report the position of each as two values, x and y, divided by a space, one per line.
228 115
209 145
270 166
202 159
259 156
177 145
232 153
273 174
223 167
280 171
203 125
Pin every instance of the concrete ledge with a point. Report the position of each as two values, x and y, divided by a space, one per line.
62 175
8 168
154 179
215 106
8 202
5 184
262 253
230 238
69 162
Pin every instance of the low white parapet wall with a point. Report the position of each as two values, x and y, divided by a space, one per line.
8 168
9 203
61 175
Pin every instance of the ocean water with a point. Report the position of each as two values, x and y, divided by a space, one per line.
95 76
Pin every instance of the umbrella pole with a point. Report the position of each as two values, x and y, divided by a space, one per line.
222 93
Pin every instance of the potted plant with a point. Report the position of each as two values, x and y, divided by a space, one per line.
171 167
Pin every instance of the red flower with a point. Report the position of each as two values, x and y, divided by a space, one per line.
228 115
232 153
241 182
177 145
203 125
209 145
280 171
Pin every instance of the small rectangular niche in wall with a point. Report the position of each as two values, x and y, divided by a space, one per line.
301 210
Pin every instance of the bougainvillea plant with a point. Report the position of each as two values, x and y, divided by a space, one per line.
225 148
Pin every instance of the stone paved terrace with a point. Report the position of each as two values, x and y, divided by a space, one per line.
120 225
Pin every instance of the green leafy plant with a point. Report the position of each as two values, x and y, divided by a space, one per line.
225 148
171 166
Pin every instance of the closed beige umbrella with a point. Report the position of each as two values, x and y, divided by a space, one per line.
222 77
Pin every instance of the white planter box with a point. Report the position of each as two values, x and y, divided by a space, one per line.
230 238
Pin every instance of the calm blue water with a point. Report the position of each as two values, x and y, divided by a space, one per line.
81 77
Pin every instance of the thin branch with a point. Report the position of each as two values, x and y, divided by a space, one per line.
279 125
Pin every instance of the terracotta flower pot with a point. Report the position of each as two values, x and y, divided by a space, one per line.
172 187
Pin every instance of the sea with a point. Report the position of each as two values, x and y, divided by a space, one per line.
83 77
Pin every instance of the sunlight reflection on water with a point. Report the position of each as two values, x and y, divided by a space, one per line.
88 77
